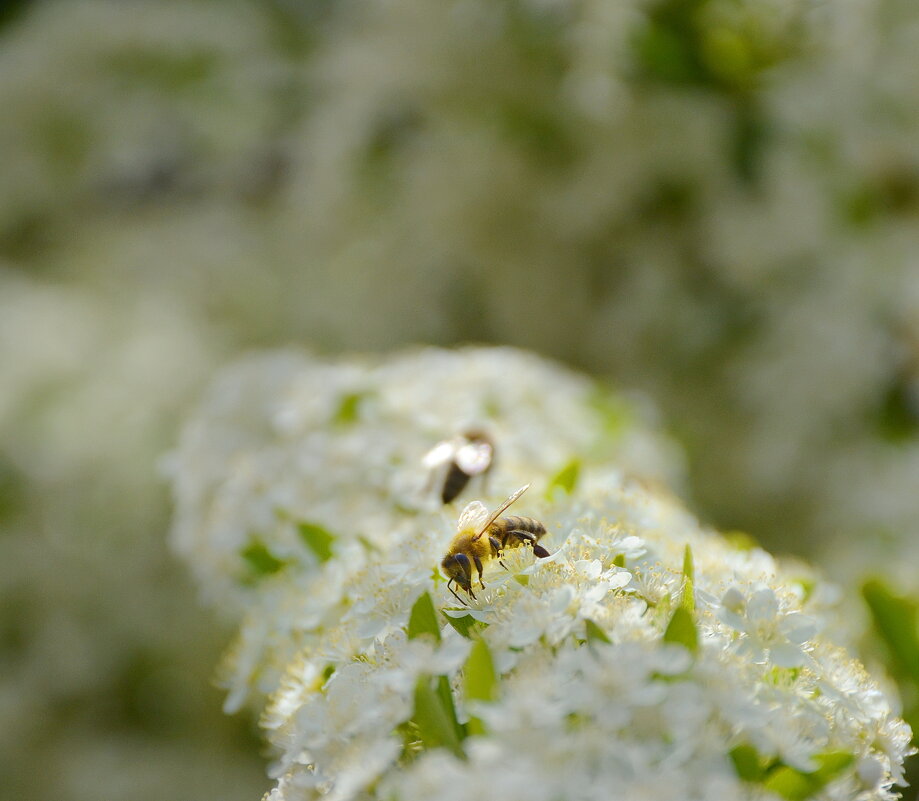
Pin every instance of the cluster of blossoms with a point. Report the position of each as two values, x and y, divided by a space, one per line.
645 657
289 438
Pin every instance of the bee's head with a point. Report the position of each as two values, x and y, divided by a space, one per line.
457 567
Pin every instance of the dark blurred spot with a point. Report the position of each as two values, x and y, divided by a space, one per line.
892 192
25 235
749 138
538 132
531 31
297 24
264 176
65 139
11 10
672 199
898 414
390 136
141 691
16 625
12 488
668 47
165 71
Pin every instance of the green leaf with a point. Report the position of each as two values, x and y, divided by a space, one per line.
619 560
260 560
522 579
446 699
594 632
566 478
318 539
682 629
463 625
688 599
480 682
790 783
423 618
894 619
748 763
796 785
688 568
436 727
348 411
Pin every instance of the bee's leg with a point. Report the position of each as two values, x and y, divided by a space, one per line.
455 595
478 566
496 549
526 537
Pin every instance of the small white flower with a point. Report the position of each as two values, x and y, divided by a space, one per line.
768 633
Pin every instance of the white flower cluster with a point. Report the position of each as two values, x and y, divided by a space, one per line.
290 447
644 658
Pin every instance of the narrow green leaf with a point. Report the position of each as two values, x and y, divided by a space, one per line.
688 599
566 478
446 699
480 682
318 539
463 625
682 629
894 619
260 560
594 632
435 726
423 618
619 560
688 568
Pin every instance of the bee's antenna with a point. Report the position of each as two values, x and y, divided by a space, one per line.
497 514
455 594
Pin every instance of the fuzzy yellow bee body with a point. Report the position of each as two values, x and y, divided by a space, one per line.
476 541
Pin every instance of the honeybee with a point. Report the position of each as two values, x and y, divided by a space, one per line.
481 536
472 453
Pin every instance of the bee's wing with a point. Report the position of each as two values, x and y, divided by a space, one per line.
495 515
474 458
472 517
440 453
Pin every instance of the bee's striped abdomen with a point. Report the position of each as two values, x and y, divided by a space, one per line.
503 527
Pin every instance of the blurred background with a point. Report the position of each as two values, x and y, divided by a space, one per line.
714 203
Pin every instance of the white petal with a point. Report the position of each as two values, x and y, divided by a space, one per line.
731 619
588 568
618 579
787 655
733 599
474 458
440 453
797 627
762 605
